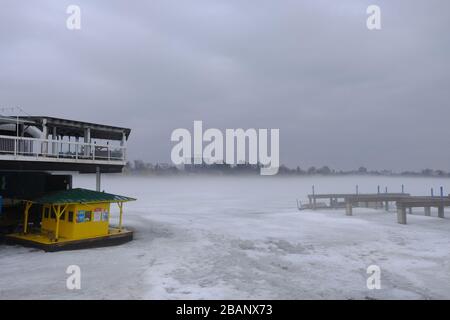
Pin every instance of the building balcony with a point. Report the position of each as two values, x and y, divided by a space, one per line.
73 146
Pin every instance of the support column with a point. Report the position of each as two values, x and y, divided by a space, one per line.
57 214
386 206
120 204
314 203
427 211
28 205
87 142
331 203
123 145
54 144
348 208
98 176
441 211
401 215
410 210
44 145
61 143
77 147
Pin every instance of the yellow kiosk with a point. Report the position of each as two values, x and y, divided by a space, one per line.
74 219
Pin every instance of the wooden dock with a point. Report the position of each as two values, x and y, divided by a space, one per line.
379 199
421 202
340 200
403 201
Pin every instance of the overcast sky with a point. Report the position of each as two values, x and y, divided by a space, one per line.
340 94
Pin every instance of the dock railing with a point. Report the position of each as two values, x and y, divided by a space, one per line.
26 148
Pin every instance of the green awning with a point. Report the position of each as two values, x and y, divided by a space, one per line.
79 195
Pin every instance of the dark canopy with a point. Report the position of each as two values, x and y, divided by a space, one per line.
74 128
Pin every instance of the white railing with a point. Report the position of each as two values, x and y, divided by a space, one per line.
60 149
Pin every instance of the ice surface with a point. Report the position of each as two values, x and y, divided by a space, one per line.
242 238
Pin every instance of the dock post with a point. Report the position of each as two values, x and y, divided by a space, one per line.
432 192
378 189
427 211
403 188
401 215
331 203
442 192
441 211
357 189
386 206
348 208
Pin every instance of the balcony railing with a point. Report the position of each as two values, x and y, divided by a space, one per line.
54 150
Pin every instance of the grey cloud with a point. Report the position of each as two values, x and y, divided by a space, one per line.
341 95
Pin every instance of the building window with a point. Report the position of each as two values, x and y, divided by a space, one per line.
53 215
46 212
81 216
70 216
63 216
88 216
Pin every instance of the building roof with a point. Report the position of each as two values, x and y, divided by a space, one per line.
14 120
74 128
78 195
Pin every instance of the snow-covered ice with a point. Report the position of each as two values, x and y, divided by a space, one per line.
242 238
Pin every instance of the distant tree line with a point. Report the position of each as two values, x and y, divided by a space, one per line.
143 168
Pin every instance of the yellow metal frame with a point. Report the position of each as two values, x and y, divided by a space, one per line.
120 204
58 214
28 205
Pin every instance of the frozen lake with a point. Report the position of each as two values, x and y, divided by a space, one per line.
243 238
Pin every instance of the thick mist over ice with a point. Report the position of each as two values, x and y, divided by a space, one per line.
233 238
